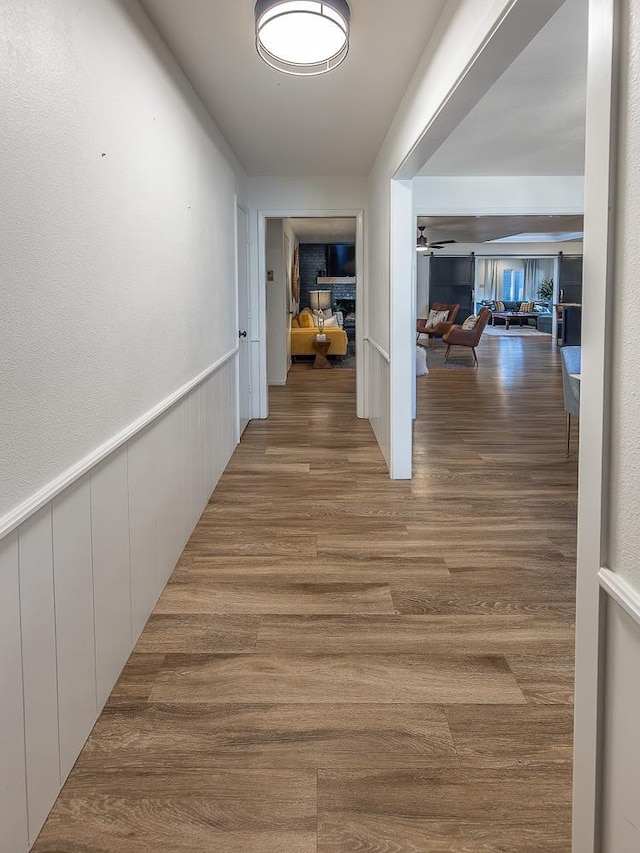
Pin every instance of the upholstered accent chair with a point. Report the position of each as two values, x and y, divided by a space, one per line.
571 363
457 336
441 328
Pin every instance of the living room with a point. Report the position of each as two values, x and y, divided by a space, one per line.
311 294
526 270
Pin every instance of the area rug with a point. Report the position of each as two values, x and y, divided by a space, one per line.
458 358
515 332
347 362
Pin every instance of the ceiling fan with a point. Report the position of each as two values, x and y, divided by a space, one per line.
424 245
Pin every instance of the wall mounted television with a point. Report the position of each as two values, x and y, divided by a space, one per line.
341 259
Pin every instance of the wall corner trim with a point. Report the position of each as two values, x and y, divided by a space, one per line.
622 592
23 511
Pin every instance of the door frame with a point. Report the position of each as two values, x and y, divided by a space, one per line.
239 207
259 329
599 259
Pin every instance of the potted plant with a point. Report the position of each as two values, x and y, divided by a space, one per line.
545 290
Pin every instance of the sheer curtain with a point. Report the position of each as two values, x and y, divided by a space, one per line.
531 279
491 278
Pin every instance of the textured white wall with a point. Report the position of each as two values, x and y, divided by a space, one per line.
277 314
117 244
624 538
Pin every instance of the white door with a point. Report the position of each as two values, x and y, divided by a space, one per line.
244 320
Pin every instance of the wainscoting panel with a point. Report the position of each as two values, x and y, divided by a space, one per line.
378 396
621 750
39 666
209 451
161 437
196 454
142 520
111 570
75 626
80 576
185 508
14 835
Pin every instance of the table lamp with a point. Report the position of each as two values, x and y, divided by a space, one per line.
320 301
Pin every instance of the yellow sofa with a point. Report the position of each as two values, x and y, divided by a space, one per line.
304 331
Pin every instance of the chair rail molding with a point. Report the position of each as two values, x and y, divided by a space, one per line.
376 346
621 592
23 511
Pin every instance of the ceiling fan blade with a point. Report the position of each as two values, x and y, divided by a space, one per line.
441 243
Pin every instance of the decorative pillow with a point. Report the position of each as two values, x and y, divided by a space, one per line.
470 323
436 317
499 306
526 307
340 318
421 361
331 323
327 313
305 318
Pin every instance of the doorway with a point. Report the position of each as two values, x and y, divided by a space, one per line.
301 252
243 319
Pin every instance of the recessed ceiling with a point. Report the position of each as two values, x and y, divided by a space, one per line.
281 125
316 229
483 229
532 121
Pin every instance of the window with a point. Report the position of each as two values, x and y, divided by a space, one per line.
513 285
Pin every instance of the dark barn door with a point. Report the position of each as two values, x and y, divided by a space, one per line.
452 280
570 281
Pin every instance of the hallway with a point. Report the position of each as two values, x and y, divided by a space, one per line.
344 663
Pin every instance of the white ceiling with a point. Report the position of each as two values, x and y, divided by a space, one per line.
532 121
324 230
481 229
281 125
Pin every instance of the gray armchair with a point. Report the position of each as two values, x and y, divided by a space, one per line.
571 363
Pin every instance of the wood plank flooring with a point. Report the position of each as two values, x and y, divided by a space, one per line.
342 664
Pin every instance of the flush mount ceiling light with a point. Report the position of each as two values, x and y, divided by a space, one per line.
302 37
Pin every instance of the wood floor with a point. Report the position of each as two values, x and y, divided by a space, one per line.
343 664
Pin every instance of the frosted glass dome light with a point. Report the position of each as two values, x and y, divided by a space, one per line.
302 37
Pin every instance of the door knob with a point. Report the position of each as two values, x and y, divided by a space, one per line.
242 334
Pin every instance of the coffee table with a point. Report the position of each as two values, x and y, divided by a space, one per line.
510 316
322 348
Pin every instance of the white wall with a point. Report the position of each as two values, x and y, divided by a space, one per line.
118 346
621 774
498 195
290 244
277 305
625 423
117 256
